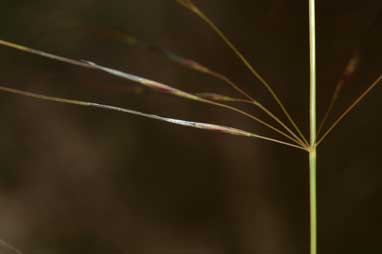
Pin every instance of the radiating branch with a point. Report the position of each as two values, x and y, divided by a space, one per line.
349 71
143 81
198 67
192 7
178 59
179 93
346 76
223 98
198 125
350 108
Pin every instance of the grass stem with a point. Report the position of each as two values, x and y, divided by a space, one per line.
313 200
313 130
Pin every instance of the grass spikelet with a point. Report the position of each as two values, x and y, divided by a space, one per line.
350 108
219 97
144 81
346 76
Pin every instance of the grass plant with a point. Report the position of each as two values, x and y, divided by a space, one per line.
286 133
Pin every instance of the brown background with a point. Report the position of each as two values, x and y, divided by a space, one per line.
77 180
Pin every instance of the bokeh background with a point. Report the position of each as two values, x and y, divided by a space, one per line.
75 180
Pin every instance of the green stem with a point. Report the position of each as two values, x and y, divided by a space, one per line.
313 201
313 130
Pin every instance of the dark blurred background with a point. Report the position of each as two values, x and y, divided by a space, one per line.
76 180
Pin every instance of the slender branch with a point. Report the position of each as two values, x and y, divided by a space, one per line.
253 118
350 108
191 6
257 104
143 81
348 73
198 125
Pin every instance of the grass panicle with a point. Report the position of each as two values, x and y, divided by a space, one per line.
296 138
191 6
